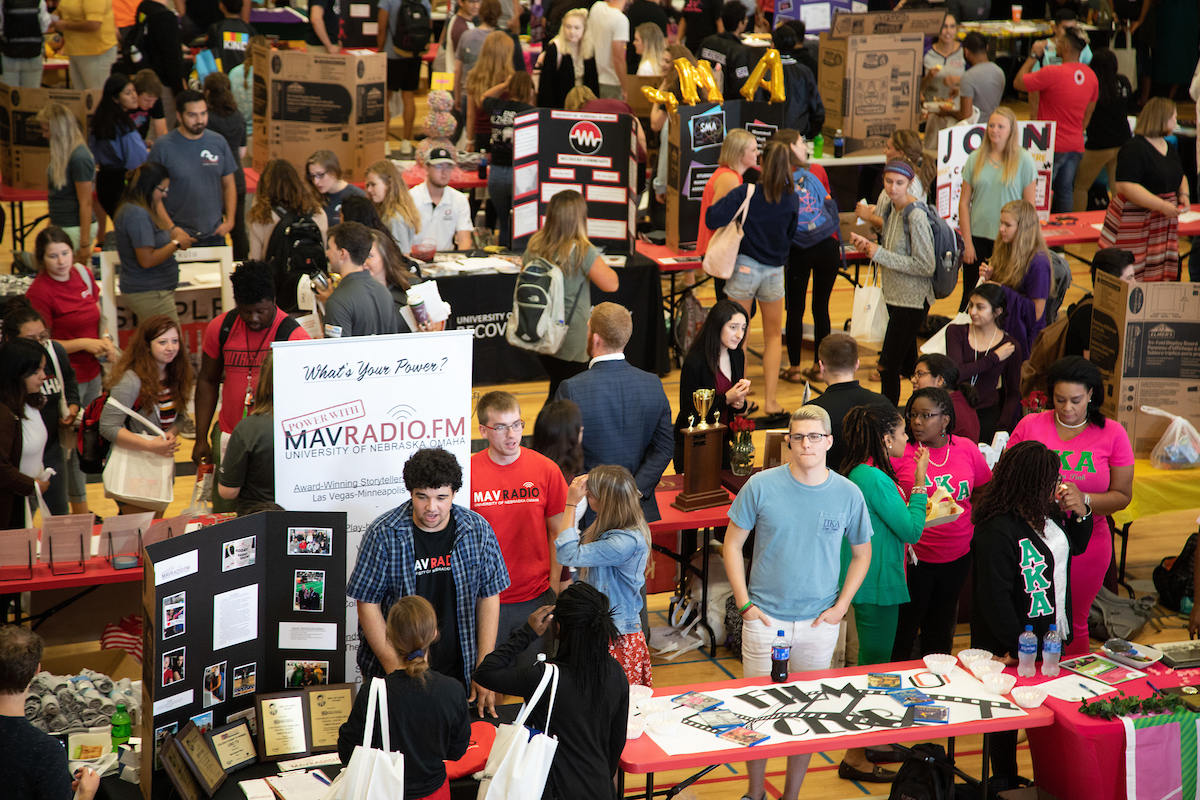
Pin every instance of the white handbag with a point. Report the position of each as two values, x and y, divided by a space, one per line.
138 477
519 764
869 317
372 774
937 342
721 254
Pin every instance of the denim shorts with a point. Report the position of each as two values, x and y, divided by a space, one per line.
753 280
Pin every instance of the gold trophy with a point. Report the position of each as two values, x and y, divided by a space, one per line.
702 399
703 446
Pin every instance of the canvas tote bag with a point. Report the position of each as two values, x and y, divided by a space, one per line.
723 247
519 763
869 317
137 477
372 774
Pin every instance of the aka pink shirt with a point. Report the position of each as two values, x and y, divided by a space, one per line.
960 469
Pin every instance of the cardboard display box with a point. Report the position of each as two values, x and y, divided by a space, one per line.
116 664
1146 342
24 152
309 101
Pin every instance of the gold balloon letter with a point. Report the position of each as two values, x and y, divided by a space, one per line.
659 96
770 60
691 76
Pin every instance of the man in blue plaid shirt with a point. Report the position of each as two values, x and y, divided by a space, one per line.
443 552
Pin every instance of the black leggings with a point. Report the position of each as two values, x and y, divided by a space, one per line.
110 183
559 371
932 609
821 261
989 422
970 272
898 356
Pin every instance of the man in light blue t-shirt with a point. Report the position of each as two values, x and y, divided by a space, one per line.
800 513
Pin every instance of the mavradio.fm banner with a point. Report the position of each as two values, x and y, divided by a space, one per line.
349 413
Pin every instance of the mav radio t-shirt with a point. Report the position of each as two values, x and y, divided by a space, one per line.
516 499
435 582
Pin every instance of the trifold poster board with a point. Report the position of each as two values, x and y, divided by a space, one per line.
593 154
256 604
955 145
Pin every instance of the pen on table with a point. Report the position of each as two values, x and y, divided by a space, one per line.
1088 689
1153 688
317 774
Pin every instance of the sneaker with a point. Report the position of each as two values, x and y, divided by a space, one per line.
187 428
406 149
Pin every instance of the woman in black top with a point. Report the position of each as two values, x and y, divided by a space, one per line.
502 103
225 118
1151 193
716 360
566 62
1109 128
592 706
428 716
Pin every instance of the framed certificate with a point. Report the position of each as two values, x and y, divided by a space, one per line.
178 770
234 745
200 757
282 728
328 708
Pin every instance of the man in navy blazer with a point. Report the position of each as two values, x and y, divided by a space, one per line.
626 415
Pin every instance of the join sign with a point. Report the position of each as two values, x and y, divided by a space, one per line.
956 143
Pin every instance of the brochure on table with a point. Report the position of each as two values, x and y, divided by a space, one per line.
253 605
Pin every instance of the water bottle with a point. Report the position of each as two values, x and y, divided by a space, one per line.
839 144
819 146
1051 650
122 726
781 653
1027 653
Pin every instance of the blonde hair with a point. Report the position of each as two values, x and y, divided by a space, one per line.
737 141
578 97
1154 117
811 413
924 163
1010 260
397 202
564 233
613 324
412 626
580 52
653 46
1008 156
494 64
65 137
618 505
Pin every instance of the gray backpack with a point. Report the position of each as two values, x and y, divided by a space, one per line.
539 321
1113 616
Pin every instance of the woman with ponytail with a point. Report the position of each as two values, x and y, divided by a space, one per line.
427 712
592 705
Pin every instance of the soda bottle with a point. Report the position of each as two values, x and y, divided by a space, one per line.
122 726
483 165
839 144
819 146
1027 644
1051 650
781 653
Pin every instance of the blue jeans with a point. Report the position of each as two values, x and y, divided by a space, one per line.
500 189
1063 184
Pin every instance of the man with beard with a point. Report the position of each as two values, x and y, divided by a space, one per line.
203 197
445 212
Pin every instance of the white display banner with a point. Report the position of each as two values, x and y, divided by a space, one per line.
349 412
959 141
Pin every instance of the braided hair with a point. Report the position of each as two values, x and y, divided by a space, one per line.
863 430
585 629
1023 482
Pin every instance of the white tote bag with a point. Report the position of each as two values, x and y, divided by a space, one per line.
937 342
138 477
372 774
519 763
869 317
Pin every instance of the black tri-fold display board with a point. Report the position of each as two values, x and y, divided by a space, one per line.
590 153
256 604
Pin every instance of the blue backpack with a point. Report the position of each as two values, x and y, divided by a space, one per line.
818 217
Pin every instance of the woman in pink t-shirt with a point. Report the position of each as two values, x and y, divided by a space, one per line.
944 551
1096 460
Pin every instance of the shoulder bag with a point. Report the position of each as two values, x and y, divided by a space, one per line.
519 764
723 247
372 774
139 477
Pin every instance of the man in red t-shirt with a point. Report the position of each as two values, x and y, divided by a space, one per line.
235 344
522 494
1066 94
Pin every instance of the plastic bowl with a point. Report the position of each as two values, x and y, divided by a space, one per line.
662 723
939 663
999 683
973 654
984 667
1029 696
638 694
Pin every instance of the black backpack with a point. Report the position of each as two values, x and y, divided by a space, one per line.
926 774
412 29
294 249
1173 576
133 44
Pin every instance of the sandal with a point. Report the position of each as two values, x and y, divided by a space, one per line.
812 375
792 375
750 409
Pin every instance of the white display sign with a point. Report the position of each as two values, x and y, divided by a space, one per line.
349 412
958 142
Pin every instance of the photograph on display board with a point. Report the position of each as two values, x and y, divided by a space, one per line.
173 662
214 685
309 594
708 129
174 615
297 673
159 735
244 679
238 553
310 542
248 714
204 722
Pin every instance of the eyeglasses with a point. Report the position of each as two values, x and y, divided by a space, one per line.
316 176
516 427
918 374
813 438
924 416
41 338
162 189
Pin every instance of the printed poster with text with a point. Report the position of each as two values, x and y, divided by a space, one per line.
956 143
349 414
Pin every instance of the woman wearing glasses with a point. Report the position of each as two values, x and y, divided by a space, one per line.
938 371
149 272
944 551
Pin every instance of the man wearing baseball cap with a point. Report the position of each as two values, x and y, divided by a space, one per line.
445 212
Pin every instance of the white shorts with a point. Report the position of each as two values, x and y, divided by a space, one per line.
812 648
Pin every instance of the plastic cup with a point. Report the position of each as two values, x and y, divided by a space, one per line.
424 251
1016 13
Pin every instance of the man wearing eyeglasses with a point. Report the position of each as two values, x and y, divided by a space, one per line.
522 494
800 512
